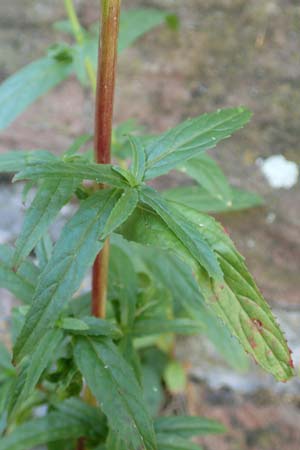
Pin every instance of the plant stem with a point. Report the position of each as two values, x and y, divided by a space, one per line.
79 36
108 48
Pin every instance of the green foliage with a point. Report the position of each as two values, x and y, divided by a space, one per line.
72 255
175 377
32 367
183 232
82 170
20 282
62 60
207 173
235 299
190 138
70 421
173 270
14 161
38 77
187 426
51 196
119 394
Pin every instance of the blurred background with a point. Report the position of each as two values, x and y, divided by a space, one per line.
224 53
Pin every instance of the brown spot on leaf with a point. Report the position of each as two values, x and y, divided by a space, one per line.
226 231
252 342
258 323
291 363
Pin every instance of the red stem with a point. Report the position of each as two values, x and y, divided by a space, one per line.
108 48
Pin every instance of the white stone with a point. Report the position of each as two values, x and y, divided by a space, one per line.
279 172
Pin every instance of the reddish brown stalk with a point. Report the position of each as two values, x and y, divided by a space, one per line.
108 47
80 444
103 129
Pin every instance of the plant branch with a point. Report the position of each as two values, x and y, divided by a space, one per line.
108 47
79 36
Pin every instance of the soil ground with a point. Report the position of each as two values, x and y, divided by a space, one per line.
226 52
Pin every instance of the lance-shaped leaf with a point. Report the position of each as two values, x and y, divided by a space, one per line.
21 282
185 231
90 326
51 196
235 300
207 173
32 367
122 210
238 302
16 160
200 199
188 426
113 383
73 254
191 137
138 158
25 86
81 170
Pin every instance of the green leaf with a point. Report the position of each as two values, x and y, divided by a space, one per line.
170 272
238 302
16 160
53 427
175 377
90 326
51 196
43 250
166 442
198 198
187 426
77 409
133 24
191 137
136 22
122 284
21 282
25 86
73 254
207 173
185 231
122 210
113 383
32 368
138 158
82 170
152 389
146 327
